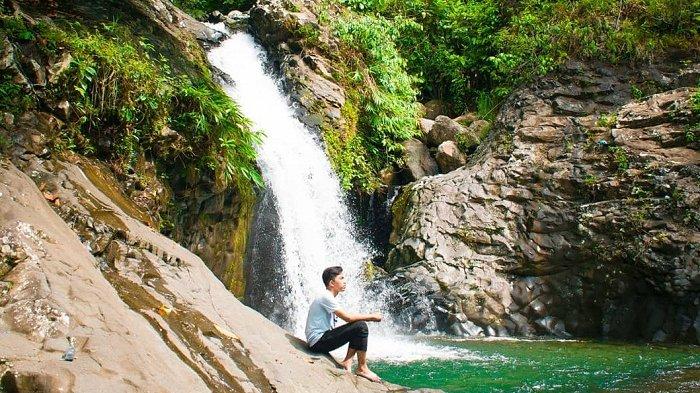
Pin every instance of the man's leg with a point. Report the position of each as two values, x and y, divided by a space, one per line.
336 338
362 368
347 362
359 344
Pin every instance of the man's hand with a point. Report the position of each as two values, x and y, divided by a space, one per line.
375 317
347 317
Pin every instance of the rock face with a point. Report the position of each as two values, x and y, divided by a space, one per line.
306 74
214 224
579 216
143 313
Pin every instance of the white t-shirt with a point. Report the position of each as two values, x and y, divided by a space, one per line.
321 316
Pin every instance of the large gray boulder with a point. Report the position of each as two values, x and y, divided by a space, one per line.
418 160
565 222
444 129
426 125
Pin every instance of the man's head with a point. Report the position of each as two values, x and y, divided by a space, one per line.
333 278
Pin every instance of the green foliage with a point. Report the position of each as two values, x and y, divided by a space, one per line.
309 33
636 92
201 8
124 95
12 98
590 180
209 116
291 6
5 143
366 5
487 104
607 121
384 99
16 29
620 158
462 48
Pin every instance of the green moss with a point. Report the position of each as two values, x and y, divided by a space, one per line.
400 207
619 156
234 276
310 34
590 180
16 29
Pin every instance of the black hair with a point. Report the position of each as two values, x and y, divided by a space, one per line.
330 273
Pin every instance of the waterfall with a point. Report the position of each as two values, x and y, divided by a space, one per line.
314 228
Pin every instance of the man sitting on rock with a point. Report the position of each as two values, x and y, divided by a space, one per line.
323 337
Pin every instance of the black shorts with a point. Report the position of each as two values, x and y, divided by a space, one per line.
354 333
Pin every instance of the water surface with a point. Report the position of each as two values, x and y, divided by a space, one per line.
550 366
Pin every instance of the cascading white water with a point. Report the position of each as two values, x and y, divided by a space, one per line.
315 223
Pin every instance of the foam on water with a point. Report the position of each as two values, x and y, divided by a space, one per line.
315 224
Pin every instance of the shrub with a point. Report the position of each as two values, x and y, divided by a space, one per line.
608 121
384 99
463 48
620 158
123 94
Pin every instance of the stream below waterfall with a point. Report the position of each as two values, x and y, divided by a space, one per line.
307 227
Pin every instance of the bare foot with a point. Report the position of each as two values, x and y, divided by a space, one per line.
367 373
347 364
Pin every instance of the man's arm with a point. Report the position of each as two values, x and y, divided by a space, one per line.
349 318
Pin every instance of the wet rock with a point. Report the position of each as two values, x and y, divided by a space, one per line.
688 76
418 159
7 58
8 119
38 73
449 157
215 17
571 106
236 20
64 109
387 176
550 325
660 336
466 328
